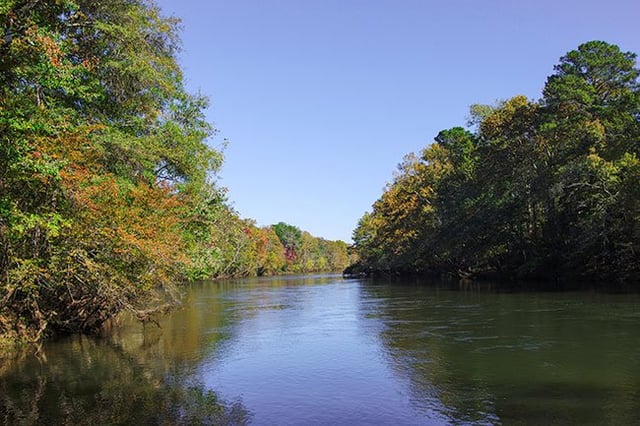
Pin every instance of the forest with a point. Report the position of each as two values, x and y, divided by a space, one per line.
109 200
528 190
108 194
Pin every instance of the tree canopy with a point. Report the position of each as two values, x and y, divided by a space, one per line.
540 189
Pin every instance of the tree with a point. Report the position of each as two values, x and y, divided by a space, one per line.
596 88
291 238
539 189
591 118
102 158
272 258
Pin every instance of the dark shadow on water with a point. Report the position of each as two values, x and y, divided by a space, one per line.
496 355
497 286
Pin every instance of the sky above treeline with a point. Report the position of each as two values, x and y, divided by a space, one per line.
321 99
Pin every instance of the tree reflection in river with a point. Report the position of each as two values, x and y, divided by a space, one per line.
135 375
493 357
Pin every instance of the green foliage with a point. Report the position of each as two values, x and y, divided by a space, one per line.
289 235
541 189
102 155
594 98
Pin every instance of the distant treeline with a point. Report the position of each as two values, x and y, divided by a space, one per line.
546 189
107 200
238 248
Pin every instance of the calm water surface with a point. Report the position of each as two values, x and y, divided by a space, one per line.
324 350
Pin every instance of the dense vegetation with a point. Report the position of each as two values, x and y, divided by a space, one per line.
107 199
537 189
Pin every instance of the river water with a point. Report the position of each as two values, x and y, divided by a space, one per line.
326 350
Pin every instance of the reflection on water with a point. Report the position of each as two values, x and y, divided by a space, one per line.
538 358
134 375
323 350
91 382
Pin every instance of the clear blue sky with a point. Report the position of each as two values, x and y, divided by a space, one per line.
321 99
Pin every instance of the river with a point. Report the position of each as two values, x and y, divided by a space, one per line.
327 350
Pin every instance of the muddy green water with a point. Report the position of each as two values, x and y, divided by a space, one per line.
324 350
